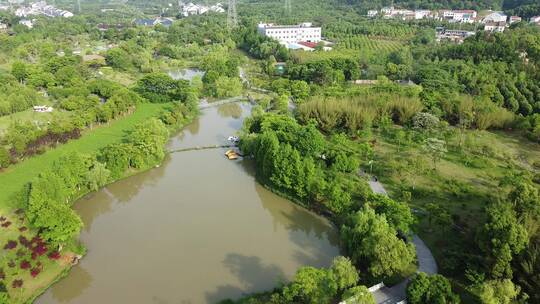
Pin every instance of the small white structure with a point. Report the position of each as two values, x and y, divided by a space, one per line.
3 26
495 17
43 109
372 13
535 19
28 23
514 19
287 34
422 14
495 27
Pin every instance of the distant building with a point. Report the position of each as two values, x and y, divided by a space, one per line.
459 16
166 22
287 34
42 8
28 23
497 27
189 9
495 17
457 36
372 13
535 19
392 13
3 26
422 14
514 19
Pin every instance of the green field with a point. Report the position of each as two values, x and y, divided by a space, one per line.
462 184
13 178
366 43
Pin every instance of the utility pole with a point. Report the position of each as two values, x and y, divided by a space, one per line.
232 15
288 7
79 6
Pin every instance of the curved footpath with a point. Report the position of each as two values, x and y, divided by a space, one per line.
426 263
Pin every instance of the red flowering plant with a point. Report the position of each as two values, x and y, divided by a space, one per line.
55 255
25 265
34 272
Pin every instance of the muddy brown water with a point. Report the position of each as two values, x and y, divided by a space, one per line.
198 229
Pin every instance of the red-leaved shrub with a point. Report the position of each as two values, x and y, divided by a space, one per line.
6 224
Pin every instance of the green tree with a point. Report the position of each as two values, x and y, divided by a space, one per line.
344 272
498 292
501 237
430 289
311 285
358 295
398 215
372 242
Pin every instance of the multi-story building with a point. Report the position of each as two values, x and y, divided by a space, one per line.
495 17
286 34
459 16
498 27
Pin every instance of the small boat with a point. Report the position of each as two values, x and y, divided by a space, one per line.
232 155
234 139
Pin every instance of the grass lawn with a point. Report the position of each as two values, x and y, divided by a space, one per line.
29 116
13 179
462 184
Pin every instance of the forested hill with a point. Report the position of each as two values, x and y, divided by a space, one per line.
523 8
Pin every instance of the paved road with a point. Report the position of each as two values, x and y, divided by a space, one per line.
426 263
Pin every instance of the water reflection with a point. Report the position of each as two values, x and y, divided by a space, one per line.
185 74
63 292
251 272
233 110
195 230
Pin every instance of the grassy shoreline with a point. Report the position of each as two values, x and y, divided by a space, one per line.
91 141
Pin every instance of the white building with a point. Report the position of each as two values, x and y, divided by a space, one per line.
372 13
495 17
3 26
28 23
535 19
459 16
497 27
42 8
422 14
287 34
190 9
514 19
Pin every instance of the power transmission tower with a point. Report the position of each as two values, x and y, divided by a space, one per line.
288 7
232 15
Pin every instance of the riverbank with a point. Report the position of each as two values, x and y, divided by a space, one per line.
52 270
187 217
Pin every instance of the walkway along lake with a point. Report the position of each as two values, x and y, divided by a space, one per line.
198 229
